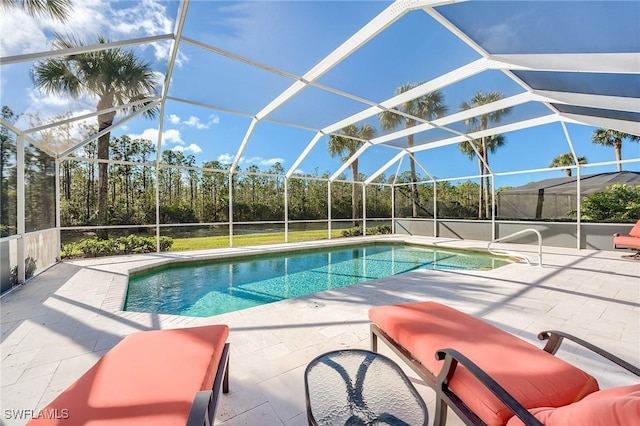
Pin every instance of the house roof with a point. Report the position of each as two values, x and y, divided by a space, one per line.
567 185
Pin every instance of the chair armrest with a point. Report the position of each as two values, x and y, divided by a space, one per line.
554 340
199 413
451 359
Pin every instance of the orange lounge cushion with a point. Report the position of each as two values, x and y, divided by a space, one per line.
635 231
625 241
535 378
619 406
149 378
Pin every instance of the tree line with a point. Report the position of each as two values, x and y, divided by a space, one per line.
39 183
190 193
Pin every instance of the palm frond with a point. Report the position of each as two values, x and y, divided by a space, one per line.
57 9
390 120
116 75
466 148
350 140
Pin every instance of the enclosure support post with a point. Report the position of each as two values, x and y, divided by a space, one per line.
157 186
157 197
57 203
329 208
493 207
20 206
578 195
393 208
578 212
286 209
435 210
364 209
230 209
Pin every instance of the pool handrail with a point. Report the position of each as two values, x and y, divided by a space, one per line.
517 254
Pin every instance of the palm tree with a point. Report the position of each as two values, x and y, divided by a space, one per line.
428 107
478 124
613 138
345 143
566 160
57 9
117 77
491 144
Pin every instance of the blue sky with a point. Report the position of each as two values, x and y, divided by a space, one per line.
293 37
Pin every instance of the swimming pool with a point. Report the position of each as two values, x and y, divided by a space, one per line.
217 287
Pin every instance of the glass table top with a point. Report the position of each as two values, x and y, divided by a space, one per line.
358 387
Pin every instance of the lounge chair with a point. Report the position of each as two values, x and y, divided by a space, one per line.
160 377
490 377
631 241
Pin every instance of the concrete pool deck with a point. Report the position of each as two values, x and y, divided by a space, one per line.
56 326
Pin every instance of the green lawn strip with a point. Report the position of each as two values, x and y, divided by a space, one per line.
200 243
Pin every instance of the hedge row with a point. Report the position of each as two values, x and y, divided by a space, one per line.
131 244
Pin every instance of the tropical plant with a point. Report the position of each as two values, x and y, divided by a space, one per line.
567 160
613 138
616 203
375 230
116 76
491 144
348 141
57 9
485 144
427 107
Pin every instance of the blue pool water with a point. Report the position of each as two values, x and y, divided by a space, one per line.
212 288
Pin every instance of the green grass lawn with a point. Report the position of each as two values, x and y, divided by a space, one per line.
73 249
200 243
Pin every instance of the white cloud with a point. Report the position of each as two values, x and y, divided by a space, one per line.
22 33
268 162
214 119
191 148
226 158
39 101
261 161
147 17
159 79
49 106
170 136
194 122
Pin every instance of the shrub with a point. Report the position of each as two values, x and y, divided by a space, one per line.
374 230
165 243
5 230
352 232
617 203
380 230
69 250
94 247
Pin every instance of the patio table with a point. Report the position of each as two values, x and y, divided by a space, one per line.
359 387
